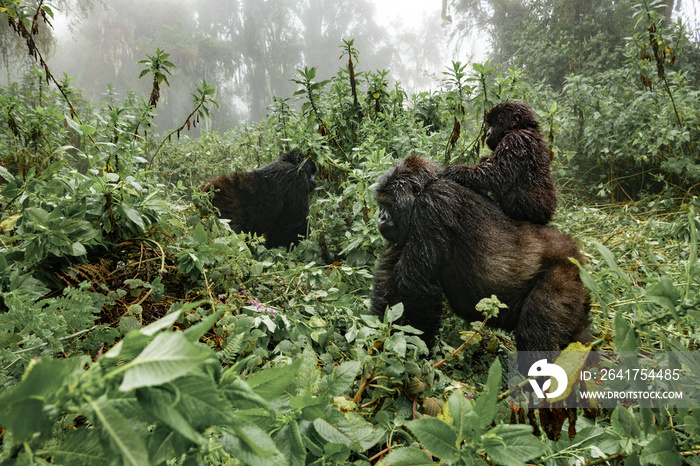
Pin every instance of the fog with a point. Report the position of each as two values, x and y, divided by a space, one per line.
249 50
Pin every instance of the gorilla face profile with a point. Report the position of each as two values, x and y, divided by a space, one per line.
272 201
446 240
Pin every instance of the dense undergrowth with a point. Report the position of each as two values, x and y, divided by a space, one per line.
135 328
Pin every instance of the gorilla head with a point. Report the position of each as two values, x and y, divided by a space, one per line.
506 117
396 194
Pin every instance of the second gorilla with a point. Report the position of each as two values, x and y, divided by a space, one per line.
272 200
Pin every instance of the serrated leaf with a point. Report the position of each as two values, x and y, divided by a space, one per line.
341 379
290 444
408 456
167 357
161 404
512 444
436 436
81 447
309 375
271 383
485 404
119 432
661 450
394 313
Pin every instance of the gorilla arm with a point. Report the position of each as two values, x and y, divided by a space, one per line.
494 173
409 274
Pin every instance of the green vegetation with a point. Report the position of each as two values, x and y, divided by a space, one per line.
135 328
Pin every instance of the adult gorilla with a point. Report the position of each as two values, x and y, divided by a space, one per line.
443 238
272 200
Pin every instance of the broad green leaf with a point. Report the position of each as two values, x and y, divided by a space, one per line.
408 456
625 338
436 436
512 444
23 407
624 424
162 403
461 415
396 343
240 394
81 447
250 445
118 430
394 313
341 379
142 336
371 320
362 434
309 373
87 130
133 215
661 450
77 249
271 383
290 444
199 235
167 357
201 402
485 404
6 175
664 294
330 433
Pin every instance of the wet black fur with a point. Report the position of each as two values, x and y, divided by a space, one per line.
445 239
272 200
517 172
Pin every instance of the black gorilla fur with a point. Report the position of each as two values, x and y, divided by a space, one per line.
443 238
272 200
517 171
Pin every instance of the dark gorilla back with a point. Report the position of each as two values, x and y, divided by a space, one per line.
446 240
272 200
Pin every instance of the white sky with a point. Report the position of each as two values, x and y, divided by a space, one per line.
410 12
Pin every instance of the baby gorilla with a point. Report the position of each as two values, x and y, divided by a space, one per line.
443 238
272 200
517 171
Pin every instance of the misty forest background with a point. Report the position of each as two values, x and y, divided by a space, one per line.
136 328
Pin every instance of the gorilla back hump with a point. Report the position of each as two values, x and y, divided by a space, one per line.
272 200
443 238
